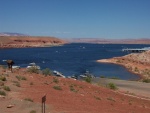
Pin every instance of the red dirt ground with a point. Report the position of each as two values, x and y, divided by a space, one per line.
74 97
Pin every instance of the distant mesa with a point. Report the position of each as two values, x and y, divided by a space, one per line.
12 34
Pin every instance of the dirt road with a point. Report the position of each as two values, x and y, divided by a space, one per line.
132 87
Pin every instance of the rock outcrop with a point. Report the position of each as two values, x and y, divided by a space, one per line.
28 41
138 63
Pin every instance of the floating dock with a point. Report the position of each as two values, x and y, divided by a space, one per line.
136 50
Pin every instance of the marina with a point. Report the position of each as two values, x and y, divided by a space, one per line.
136 50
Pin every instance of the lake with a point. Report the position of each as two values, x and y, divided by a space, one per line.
74 58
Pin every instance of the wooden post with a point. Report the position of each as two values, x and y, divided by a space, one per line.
43 103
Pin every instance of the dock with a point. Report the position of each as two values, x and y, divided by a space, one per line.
136 50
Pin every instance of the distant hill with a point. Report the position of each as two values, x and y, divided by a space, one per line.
29 41
109 41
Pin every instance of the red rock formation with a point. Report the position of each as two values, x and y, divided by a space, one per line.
28 41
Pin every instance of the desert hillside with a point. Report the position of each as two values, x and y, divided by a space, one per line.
22 92
28 41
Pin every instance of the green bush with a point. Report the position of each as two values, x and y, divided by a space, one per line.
2 93
46 72
88 79
112 86
6 88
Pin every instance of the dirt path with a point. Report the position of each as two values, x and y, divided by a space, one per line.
132 87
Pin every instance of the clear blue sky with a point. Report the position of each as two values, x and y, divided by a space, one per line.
77 18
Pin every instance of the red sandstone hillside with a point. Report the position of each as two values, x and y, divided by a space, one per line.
63 96
28 41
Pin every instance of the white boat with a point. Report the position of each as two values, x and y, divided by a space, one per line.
87 74
58 74
33 65
15 67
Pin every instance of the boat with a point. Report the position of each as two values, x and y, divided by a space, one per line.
87 74
15 67
56 73
33 65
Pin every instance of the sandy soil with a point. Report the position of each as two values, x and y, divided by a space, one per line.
63 95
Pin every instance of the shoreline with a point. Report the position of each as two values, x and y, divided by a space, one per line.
136 63
110 62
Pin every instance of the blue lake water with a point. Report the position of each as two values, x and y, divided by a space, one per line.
73 58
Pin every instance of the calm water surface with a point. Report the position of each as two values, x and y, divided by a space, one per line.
73 58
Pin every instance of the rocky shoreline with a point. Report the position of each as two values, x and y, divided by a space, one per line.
137 63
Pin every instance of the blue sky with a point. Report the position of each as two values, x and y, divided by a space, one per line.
109 19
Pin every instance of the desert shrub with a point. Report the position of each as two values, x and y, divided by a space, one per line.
57 87
112 86
33 111
21 77
28 99
55 79
2 78
88 79
72 88
46 72
31 83
16 83
111 99
6 88
1 83
102 76
146 80
2 93
97 98
33 70
114 78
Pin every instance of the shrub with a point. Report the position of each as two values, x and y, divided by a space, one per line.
33 70
88 79
111 99
72 88
146 80
33 111
97 98
28 99
112 86
6 88
102 76
46 72
31 83
2 93
57 87
55 79
21 77
114 78
2 78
